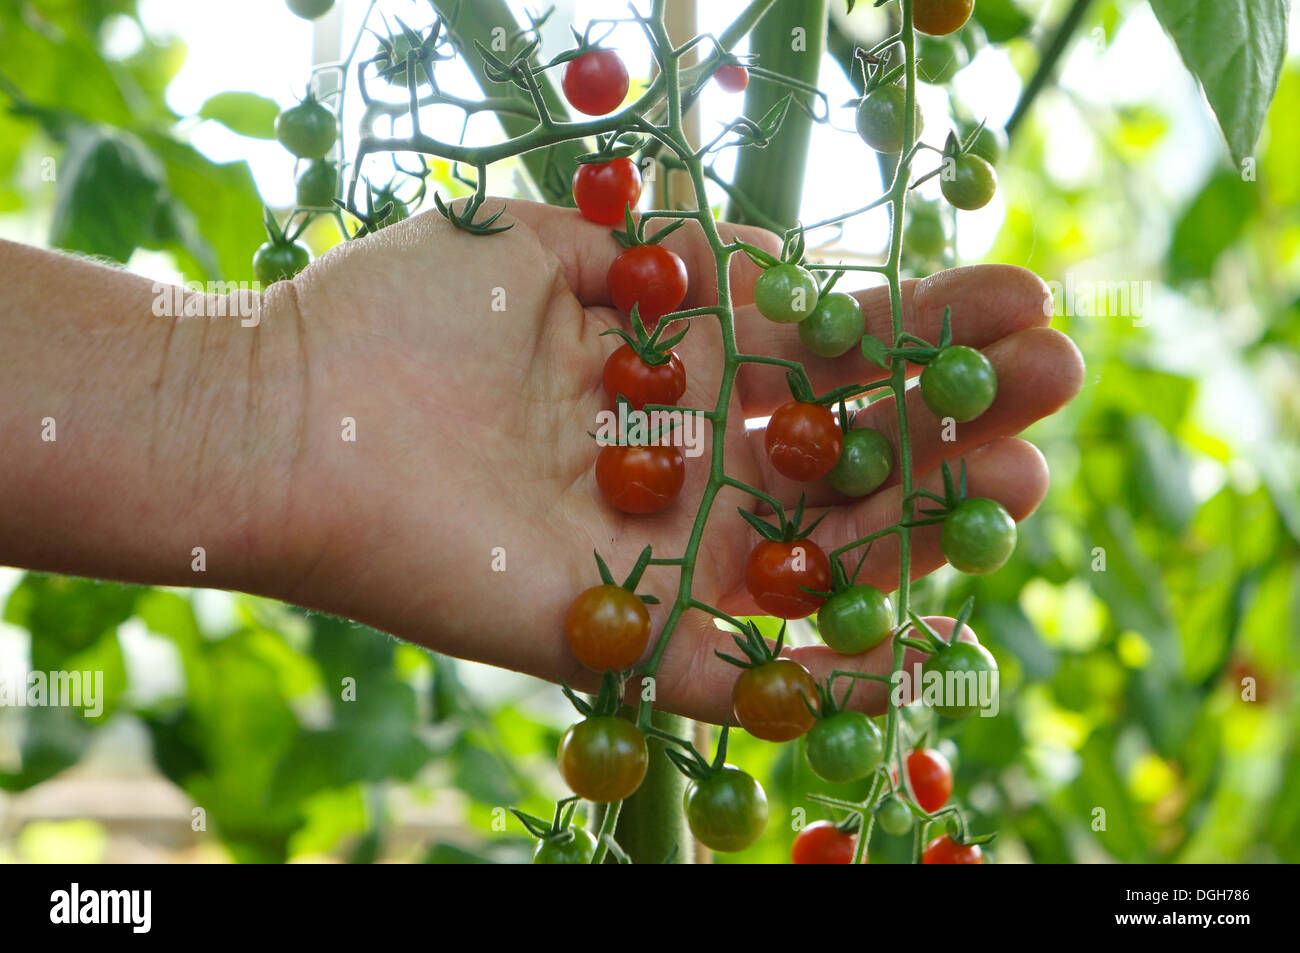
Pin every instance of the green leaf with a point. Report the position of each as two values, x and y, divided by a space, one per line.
245 113
1236 50
873 349
109 188
1210 226
1002 20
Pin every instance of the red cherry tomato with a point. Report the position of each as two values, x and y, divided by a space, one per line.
803 441
931 777
775 571
732 77
604 189
823 843
625 373
771 700
649 276
945 850
640 479
595 83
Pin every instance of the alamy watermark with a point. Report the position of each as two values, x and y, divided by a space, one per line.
659 428
213 299
977 691
83 690
1085 298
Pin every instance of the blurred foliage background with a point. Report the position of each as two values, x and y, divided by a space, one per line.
1146 627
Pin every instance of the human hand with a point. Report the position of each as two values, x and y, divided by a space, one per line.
472 435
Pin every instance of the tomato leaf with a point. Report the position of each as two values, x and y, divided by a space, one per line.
1236 50
244 113
873 349
1002 19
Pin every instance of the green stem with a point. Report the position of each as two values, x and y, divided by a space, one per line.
652 825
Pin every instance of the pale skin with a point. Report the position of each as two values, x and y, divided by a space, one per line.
471 438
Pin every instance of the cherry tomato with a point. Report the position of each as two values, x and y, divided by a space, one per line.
649 276
959 383
775 571
925 236
279 261
894 816
310 9
835 325
640 480
880 118
607 628
990 145
308 130
578 849
970 666
823 843
603 759
727 811
317 184
786 293
968 183
865 462
937 61
769 700
856 619
595 83
945 850
930 775
845 747
803 440
732 77
978 536
625 373
941 17
603 190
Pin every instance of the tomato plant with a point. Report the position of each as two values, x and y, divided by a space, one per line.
604 190
959 382
607 627
978 536
834 326
803 440
856 619
596 83
727 811
650 278
823 843
308 130
945 850
941 17
603 759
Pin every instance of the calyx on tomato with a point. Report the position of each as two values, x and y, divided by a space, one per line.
647 344
557 835
785 530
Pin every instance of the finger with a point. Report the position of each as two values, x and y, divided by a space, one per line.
1039 371
1008 470
586 250
693 681
988 303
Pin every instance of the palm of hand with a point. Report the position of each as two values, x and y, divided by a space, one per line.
465 514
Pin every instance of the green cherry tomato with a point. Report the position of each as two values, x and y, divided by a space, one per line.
865 462
308 130
962 666
880 118
856 619
727 811
317 185
310 9
894 816
959 383
978 536
924 235
578 849
279 261
968 182
786 293
603 759
844 747
938 60
834 327
990 145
